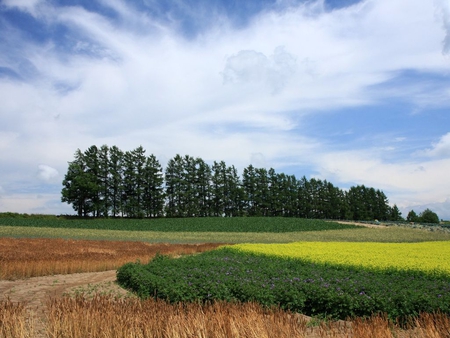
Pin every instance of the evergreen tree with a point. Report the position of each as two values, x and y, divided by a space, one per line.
412 216
116 180
91 158
153 191
128 201
202 188
218 188
249 188
107 181
395 214
234 194
104 179
174 180
261 193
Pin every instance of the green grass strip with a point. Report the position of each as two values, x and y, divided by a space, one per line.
199 224
393 234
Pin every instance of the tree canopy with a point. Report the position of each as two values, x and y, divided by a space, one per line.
108 182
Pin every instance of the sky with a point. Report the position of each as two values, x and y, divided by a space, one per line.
354 92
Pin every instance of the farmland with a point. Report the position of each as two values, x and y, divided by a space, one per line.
267 304
201 224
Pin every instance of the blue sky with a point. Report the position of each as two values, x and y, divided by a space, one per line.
355 92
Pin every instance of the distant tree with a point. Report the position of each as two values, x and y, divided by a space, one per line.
395 214
91 160
79 186
202 188
104 181
261 194
412 216
428 216
116 180
249 187
174 187
153 190
235 198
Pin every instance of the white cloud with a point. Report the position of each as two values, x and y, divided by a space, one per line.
47 173
140 82
443 13
441 149
251 66
26 5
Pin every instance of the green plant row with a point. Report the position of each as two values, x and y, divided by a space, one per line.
198 224
309 288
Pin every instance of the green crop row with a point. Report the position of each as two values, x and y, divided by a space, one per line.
303 286
199 224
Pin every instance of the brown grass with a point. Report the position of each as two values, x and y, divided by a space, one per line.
14 322
130 317
106 316
111 316
24 258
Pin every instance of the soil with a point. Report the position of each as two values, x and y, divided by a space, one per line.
36 291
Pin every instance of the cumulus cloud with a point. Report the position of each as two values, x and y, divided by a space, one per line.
440 148
249 66
443 10
47 173
226 93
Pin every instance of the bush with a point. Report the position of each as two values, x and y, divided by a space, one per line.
310 288
428 216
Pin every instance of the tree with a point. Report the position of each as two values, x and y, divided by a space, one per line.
153 191
116 180
104 181
175 187
91 160
218 187
249 188
202 187
428 216
412 216
395 214
79 186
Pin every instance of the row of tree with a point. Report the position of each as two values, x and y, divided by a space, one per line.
426 216
106 181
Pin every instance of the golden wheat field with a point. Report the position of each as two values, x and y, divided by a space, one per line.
85 314
25 257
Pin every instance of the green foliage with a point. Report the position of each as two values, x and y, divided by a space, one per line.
103 182
412 216
428 216
201 224
302 286
13 215
395 214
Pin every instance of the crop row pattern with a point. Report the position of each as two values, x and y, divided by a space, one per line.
298 285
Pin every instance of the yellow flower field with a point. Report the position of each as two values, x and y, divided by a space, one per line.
424 256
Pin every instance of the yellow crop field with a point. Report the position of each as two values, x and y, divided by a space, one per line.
431 257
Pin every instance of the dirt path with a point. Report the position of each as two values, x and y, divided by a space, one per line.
367 225
36 291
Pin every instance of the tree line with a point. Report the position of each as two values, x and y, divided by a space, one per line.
108 182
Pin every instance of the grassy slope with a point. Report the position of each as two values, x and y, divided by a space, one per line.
394 234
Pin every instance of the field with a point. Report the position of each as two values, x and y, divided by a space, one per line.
92 304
